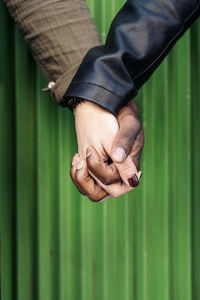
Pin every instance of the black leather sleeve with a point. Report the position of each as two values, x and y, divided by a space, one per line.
140 36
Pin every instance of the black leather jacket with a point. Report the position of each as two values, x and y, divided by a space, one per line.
140 36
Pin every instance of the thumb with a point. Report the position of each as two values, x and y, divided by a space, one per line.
129 128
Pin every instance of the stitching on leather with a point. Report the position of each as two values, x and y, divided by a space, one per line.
170 41
91 83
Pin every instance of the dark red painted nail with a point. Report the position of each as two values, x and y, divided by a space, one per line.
136 180
133 181
130 181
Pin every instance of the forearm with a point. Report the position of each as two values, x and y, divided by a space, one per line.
59 34
140 37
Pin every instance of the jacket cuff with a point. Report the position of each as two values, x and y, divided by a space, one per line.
94 93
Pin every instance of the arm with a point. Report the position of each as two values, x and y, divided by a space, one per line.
107 176
59 34
140 37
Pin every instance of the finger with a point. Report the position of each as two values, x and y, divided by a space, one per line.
133 108
117 189
129 128
85 183
75 159
137 149
73 164
128 172
106 173
130 138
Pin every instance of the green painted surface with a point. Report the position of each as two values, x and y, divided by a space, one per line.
55 244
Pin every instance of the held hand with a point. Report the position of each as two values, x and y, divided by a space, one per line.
125 150
91 186
129 126
98 128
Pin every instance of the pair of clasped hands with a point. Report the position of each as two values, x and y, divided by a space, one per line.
109 148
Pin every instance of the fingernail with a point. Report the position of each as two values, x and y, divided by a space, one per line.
133 181
136 180
119 155
79 166
73 163
88 152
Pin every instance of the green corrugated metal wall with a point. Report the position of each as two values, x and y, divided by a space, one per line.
55 244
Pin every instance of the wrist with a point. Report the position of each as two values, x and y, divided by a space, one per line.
88 108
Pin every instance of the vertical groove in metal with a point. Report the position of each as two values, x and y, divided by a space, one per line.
7 157
195 137
55 244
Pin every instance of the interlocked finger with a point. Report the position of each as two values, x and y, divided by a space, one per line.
106 173
84 182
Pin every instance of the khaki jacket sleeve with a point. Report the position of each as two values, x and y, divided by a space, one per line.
59 34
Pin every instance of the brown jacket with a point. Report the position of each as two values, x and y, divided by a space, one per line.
59 34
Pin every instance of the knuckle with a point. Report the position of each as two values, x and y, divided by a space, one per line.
100 173
97 196
93 165
135 108
109 179
106 180
135 124
79 177
126 142
131 134
130 118
94 198
138 124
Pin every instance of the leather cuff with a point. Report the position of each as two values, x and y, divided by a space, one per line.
71 103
